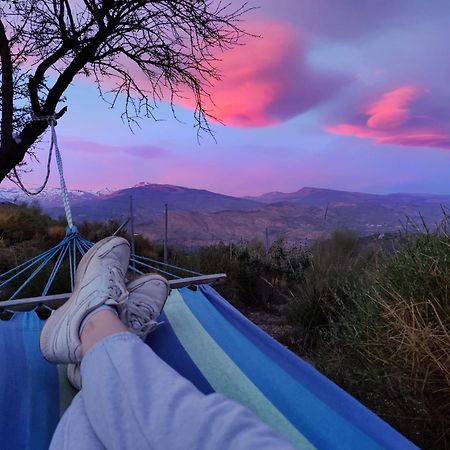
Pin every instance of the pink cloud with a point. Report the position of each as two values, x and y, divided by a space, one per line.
397 119
392 110
268 80
265 82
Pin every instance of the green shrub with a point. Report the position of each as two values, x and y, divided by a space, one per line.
254 279
412 293
378 323
336 269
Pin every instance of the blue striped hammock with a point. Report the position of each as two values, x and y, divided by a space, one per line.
214 346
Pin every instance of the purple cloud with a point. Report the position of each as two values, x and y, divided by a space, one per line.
139 151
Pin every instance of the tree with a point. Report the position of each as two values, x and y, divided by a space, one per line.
173 45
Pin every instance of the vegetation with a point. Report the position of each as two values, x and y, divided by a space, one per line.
371 314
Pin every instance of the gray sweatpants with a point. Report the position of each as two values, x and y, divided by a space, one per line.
131 399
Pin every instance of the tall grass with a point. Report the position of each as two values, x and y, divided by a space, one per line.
412 293
378 323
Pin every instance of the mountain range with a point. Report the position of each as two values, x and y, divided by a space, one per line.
199 217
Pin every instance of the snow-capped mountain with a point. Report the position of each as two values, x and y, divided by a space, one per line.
50 197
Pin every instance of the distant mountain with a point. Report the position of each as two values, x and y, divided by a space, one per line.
323 197
49 198
149 200
198 217
293 221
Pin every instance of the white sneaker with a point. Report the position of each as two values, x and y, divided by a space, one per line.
147 296
74 375
99 281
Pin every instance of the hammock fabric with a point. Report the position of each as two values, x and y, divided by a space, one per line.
210 343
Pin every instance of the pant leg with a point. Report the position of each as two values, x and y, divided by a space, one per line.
74 431
134 400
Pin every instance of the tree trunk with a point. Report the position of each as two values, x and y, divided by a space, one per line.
13 153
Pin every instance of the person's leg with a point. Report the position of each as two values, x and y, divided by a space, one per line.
104 323
134 400
74 431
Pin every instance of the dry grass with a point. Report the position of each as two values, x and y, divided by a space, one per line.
381 324
420 342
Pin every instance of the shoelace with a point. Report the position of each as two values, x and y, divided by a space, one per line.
117 292
140 316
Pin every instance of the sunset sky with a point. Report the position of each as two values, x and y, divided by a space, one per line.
341 94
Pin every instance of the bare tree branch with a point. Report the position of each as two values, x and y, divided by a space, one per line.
137 52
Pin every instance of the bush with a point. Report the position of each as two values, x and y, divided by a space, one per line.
378 323
335 269
26 232
413 340
254 279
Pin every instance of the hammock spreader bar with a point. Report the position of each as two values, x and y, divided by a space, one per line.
55 301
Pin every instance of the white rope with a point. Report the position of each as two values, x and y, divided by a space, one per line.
19 182
62 181
64 193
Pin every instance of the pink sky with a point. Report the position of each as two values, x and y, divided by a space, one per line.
336 94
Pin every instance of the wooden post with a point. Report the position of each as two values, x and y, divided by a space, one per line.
267 242
165 234
133 263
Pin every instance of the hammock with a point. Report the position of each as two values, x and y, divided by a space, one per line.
214 346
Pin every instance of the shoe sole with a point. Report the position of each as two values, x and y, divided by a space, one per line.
73 375
54 321
136 284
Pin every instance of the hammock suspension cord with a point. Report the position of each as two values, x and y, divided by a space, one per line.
51 120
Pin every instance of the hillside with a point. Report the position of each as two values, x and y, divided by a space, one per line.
149 200
200 217
323 197
293 221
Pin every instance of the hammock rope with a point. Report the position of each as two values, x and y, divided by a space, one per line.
62 181
51 120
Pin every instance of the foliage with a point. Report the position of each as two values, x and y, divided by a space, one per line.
412 293
335 267
25 231
378 323
254 278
